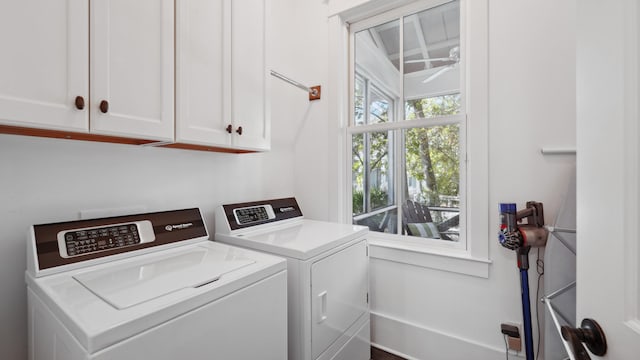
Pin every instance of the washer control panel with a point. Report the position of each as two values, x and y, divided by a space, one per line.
77 242
53 247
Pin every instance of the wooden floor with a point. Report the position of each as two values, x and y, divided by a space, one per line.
377 354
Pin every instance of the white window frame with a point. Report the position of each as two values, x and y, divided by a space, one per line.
471 258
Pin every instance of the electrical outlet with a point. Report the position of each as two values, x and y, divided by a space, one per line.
514 343
512 332
510 329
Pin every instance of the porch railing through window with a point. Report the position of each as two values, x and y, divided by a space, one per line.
445 221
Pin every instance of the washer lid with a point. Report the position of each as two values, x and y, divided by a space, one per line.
96 324
137 283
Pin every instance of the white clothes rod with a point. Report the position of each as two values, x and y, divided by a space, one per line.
560 291
314 91
554 316
557 229
557 233
558 151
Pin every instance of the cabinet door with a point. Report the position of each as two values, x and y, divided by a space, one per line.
44 63
132 68
249 92
202 114
339 285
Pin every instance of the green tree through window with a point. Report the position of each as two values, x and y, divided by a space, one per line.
432 154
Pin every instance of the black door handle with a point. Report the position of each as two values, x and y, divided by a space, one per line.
591 334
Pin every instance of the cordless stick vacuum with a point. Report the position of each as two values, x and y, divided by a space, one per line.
521 238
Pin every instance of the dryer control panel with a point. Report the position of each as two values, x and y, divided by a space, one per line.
244 215
253 214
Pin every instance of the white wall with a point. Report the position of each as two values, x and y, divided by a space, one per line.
301 27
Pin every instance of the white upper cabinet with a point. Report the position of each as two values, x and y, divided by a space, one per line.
249 93
53 50
44 64
107 67
132 68
201 114
221 71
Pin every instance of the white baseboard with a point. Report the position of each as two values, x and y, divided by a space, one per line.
417 342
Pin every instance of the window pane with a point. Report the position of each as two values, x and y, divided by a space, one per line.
432 52
359 102
380 107
377 73
434 106
373 181
380 168
357 173
432 190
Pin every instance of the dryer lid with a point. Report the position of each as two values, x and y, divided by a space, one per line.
135 284
301 239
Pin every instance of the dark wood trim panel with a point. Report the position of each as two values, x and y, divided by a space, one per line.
70 135
206 148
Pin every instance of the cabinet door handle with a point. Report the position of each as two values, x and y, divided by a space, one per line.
239 130
79 102
104 106
229 129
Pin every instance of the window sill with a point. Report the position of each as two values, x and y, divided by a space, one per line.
431 257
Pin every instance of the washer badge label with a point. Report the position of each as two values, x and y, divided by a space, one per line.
178 226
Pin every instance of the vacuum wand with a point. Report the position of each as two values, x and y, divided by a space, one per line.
521 238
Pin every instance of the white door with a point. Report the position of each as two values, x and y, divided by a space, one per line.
132 68
608 275
339 285
44 64
249 93
202 84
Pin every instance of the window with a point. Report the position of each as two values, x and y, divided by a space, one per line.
408 124
367 64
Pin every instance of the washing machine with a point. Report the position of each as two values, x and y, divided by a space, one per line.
151 286
327 270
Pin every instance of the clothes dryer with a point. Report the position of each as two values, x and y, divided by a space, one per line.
151 286
327 265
